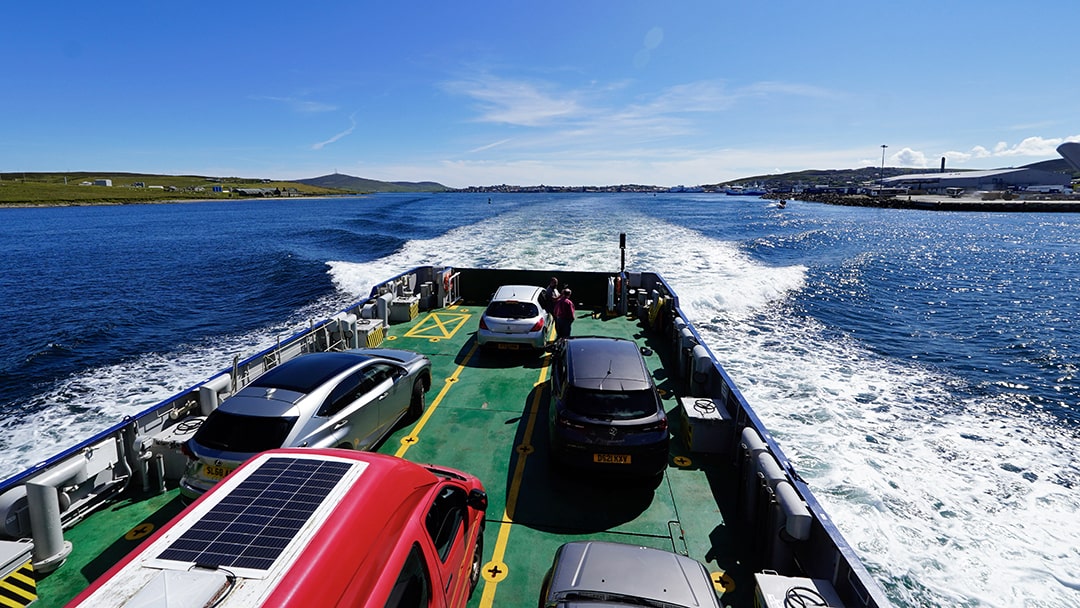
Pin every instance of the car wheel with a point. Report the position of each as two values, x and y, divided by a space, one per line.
419 401
477 562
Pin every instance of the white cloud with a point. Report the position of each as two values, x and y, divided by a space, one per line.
1035 148
597 108
322 144
908 158
793 89
957 157
302 106
632 165
516 102
489 146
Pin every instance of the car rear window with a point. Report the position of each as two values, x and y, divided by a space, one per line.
234 433
513 310
305 374
614 405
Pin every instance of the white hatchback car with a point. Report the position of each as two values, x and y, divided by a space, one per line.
515 318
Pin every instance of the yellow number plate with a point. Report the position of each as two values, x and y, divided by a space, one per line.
215 471
611 458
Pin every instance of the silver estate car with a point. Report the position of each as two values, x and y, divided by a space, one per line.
515 318
350 399
613 574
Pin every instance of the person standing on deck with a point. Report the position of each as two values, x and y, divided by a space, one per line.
551 293
564 314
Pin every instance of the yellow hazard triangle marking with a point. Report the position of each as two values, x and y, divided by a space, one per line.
438 325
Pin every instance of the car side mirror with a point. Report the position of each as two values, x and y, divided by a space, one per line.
478 500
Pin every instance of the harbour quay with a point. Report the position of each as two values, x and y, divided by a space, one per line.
978 201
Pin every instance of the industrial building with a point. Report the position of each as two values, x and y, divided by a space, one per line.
997 179
1070 151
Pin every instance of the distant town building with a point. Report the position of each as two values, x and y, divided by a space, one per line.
258 191
997 179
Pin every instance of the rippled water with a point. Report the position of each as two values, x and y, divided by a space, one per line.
920 368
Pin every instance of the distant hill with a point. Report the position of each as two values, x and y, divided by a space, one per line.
340 181
856 177
821 177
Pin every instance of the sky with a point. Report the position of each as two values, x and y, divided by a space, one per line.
586 92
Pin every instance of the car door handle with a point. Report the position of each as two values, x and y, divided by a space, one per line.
340 424
383 396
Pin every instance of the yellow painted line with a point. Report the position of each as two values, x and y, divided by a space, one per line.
412 438
496 570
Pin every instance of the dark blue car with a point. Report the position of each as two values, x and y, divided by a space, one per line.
606 414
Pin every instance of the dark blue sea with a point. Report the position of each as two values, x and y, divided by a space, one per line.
920 368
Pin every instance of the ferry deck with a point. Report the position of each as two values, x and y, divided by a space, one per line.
487 414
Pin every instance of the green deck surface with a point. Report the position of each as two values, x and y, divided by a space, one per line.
487 414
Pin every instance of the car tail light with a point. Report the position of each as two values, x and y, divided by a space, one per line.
186 451
483 324
538 325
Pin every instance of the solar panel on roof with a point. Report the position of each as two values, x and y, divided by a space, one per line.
250 526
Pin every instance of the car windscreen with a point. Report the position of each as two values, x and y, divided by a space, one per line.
513 310
613 405
248 434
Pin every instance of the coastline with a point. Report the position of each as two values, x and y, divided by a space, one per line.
91 203
938 202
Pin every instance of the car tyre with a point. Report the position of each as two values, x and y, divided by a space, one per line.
419 401
477 562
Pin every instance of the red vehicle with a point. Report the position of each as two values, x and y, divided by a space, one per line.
307 527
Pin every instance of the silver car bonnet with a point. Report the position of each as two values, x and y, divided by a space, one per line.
616 569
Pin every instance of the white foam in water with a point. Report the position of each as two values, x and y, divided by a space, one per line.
93 401
947 501
951 502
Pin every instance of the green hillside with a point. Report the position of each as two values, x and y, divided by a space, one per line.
76 188
348 183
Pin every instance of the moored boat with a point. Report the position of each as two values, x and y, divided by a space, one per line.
740 190
729 497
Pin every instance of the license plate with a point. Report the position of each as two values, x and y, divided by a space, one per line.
215 471
507 346
611 458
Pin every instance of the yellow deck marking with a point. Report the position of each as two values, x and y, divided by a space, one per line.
140 531
496 570
722 581
438 325
414 437
19 587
